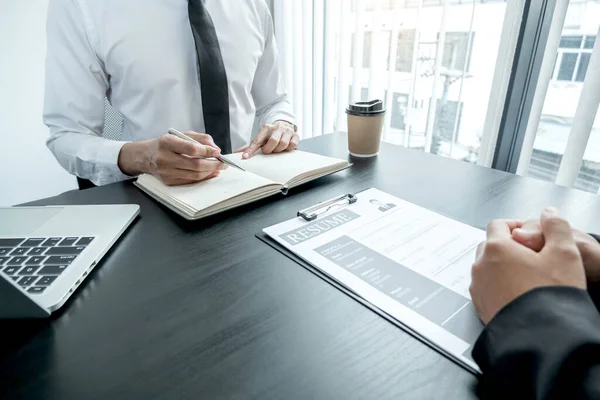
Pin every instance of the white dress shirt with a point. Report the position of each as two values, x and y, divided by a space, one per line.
142 56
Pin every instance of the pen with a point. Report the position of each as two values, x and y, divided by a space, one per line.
189 139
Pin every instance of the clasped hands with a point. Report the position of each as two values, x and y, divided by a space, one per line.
520 256
178 162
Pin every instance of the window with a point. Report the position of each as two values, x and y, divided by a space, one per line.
567 66
570 42
457 51
573 58
446 125
589 42
549 149
416 76
384 38
432 104
449 113
404 55
398 109
584 61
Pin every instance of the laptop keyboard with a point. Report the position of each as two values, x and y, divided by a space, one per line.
35 263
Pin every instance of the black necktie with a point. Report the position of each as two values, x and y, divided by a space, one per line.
213 78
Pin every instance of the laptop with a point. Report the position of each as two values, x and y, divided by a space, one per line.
46 252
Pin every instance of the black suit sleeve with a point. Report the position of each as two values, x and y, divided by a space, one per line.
543 345
594 288
594 291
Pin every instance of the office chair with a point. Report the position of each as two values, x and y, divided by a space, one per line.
113 128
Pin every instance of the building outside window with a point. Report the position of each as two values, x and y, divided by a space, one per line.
405 50
573 58
576 44
398 110
440 99
457 50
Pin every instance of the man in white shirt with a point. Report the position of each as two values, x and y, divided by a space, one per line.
142 57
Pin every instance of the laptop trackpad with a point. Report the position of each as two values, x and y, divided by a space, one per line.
23 221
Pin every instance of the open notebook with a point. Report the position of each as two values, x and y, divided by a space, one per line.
265 176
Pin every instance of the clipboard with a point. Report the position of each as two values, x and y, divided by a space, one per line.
322 208
313 212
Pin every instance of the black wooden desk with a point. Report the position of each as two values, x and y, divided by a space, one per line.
205 310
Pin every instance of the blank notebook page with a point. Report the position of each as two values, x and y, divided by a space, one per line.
283 167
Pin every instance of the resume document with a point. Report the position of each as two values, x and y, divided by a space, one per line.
411 263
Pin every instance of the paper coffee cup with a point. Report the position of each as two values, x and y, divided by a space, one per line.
365 122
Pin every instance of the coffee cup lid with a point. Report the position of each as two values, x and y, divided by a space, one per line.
367 108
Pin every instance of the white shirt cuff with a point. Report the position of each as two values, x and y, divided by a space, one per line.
282 117
106 169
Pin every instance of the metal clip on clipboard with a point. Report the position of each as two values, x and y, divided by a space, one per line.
311 213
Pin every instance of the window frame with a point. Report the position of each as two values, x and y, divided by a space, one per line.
533 37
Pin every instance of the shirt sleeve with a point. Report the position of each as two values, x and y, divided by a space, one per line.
543 345
268 88
76 86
